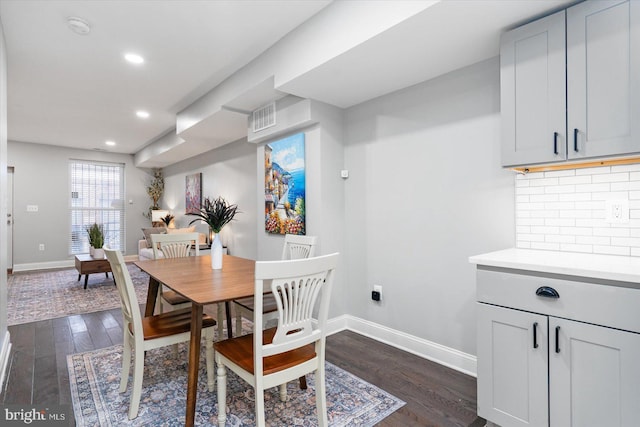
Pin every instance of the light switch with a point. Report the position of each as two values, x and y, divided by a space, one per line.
32 208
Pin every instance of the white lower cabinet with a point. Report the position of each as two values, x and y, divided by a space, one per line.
537 369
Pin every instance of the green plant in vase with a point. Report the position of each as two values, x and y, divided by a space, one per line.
216 213
96 240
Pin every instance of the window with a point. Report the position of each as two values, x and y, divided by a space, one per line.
96 195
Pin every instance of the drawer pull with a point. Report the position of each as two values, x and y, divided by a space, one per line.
547 292
535 334
557 339
555 143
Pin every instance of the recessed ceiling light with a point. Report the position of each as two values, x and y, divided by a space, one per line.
142 114
78 25
110 143
134 58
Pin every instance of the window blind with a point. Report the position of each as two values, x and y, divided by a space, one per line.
96 196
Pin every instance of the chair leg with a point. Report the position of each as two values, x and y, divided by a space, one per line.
220 319
283 392
126 364
222 393
209 359
136 389
238 320
260 418
321 397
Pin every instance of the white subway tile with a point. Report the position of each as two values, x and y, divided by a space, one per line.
545 246
634 195
530 221
611 232
591 188
529 190
634 214
593 171
559 205
610 177
523 245
576 213
591 223
543 198
591 205
545 214
543 182
574 197
583 179
531 175
612 250
576 248
557 222
530 237
635 252
635 167
625 241
560 189
521 182
593 240
523 229
545 230
530 206
625 186
560 239
634 232
576 231
522 199
608 195
523 214
634 176
566 172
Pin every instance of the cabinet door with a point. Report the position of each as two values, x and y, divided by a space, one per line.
594 375
533 95
512 367
603 78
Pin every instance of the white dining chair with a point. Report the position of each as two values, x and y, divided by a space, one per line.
295 347
295 247
146 333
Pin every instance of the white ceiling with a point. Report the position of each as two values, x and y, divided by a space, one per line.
77 91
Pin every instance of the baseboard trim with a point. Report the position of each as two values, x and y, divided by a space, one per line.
43 265
450 357
5 352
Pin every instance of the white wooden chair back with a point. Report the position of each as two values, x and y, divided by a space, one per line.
298 247
175 245
296 285
124 284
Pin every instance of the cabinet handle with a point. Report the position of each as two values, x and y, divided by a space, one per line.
535 334
575 140
555 143
547 292
557 339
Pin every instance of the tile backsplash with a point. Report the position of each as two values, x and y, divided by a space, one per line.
565 210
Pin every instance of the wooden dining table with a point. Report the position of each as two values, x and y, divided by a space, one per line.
194 279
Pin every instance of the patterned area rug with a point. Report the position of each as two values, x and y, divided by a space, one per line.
95 378
43 295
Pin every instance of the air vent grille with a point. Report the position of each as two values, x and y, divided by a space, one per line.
264 117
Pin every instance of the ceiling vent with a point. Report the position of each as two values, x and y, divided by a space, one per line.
264 117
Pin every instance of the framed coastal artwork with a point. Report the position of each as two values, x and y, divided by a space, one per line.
193 193
284 186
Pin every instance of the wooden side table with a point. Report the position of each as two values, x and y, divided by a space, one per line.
87 265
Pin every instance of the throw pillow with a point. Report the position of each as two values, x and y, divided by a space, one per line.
149 231
191 229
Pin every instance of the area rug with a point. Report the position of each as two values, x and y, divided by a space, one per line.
42 295
95 376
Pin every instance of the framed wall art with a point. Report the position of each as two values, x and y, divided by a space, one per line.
284 186
193 193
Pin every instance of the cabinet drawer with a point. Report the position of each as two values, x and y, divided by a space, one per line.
600 304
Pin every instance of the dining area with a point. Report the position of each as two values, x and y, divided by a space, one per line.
299 288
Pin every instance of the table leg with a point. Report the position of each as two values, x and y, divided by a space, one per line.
86 279
194 361
152 293
229 328
79 276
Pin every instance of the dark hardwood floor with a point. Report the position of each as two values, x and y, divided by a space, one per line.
435 395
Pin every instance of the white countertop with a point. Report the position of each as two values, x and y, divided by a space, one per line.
609 267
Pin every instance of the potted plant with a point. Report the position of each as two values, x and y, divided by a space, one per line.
216 213
96 240
155 190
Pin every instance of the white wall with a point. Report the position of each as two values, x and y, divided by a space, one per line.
41 177
426 191
230 172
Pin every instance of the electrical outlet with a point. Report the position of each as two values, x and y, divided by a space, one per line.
41 246
617 211
376 294
32 208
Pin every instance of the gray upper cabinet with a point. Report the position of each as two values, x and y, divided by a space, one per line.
532 97
570 85
603 78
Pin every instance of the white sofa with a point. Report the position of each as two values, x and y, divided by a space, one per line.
145 252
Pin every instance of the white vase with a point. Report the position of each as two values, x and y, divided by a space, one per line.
98 253
216 252
91 251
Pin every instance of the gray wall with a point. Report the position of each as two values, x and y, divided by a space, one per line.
3 190
425 192
41 177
